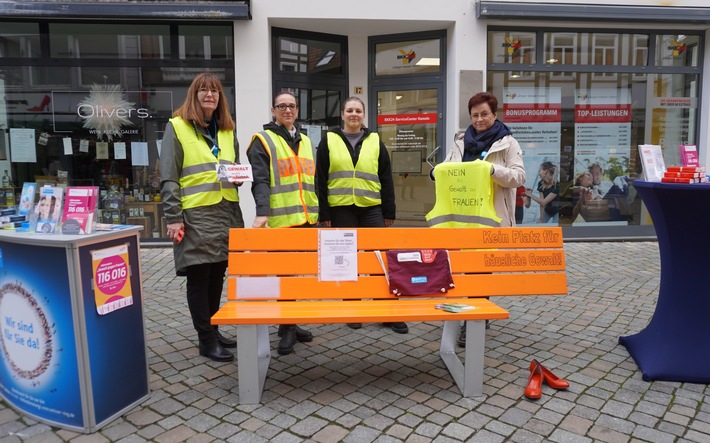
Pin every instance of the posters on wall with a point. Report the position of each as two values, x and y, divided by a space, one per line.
534 116
602 121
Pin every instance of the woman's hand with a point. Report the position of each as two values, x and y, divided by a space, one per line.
176 231
388 222
261 221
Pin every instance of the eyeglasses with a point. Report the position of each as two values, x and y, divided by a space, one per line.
206 90
483 115
283 106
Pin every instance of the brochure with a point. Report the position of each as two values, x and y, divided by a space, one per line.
234 173
688 155
49 209
79 216
652 161
27 199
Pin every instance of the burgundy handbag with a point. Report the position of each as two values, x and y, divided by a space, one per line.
417 272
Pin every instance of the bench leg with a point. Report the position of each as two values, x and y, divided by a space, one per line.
253 356
469 374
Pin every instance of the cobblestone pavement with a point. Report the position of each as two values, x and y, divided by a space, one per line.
372 385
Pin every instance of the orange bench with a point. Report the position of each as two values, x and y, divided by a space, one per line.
268 266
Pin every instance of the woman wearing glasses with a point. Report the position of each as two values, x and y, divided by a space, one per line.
488 139
283 165
199 208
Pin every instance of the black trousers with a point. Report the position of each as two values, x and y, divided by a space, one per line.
356 217
204 293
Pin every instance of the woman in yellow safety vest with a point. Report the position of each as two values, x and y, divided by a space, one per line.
199 208
354 176
283 166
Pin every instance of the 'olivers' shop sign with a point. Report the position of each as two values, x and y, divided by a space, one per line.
105 112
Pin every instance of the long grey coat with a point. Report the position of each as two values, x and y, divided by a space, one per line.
207 227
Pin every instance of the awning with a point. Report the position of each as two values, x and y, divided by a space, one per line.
590 12
128 9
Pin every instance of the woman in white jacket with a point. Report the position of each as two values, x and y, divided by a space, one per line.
490 140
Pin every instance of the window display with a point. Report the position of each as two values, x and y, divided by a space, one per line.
586 110
90 106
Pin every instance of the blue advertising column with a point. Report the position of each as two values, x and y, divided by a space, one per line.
71 319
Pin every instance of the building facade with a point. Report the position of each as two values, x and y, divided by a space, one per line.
91 86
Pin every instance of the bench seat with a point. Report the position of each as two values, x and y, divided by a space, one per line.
274 279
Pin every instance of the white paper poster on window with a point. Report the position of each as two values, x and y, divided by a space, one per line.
102 150
67 144
139 154
534 116
22 145
602 137
119 151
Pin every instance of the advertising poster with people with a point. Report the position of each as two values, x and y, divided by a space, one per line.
602 155
534 116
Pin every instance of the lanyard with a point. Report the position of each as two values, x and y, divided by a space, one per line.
215 145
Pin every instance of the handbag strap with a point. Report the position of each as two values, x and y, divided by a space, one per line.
382 264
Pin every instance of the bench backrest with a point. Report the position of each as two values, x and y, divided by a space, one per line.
283 263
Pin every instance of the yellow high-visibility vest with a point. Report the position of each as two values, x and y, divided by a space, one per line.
350 184
464 196
293 200
199 185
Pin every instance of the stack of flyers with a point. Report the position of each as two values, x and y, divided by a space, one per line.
455 307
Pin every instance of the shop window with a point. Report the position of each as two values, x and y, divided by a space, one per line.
109 41
19 40
605 112
677 50
598 49
605 53
96 102
309 56
511 47
408 57
561 49
199 43
639 53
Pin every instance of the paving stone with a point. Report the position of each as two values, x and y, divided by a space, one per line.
371 385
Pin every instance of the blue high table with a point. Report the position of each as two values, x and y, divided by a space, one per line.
674 345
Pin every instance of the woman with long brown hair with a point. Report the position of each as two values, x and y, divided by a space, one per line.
199 208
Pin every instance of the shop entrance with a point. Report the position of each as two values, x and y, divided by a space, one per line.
407 81
408 121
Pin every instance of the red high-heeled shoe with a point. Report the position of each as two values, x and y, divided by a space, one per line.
41 106
549 378
533 390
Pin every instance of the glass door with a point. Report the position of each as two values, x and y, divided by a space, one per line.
408 122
